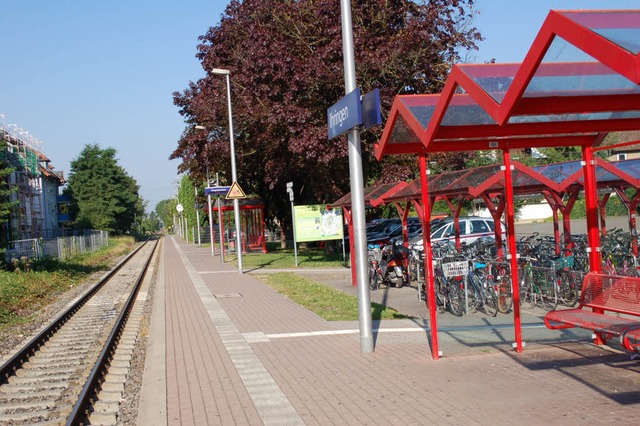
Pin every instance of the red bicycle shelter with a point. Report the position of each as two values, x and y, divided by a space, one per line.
579 81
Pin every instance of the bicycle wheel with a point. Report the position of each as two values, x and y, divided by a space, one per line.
505 295
441 290
489 300
373 279
549 293
455 297
568 292
527 293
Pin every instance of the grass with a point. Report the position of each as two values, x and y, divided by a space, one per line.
35 284
327 302
278 258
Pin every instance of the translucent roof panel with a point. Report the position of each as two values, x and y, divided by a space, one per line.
402 133
495 79
378 191
568 71
411 191
591 116
421 107
621 27
559 172
445 180
630 167
464 111
479 176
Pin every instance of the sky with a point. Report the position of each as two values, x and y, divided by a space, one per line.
78 72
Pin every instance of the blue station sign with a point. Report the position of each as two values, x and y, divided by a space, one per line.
371 115
217 190
345 114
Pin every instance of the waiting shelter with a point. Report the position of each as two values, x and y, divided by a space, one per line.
579 81
251 224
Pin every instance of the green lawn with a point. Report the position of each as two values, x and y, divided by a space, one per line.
327 302
285 258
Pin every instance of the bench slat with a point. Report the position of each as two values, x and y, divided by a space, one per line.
611 293
607 294
589 320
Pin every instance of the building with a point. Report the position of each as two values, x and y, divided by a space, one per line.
35 187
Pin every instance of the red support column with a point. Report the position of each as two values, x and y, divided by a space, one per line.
262 233
590 192
603 214
632 206
511 238
222 235
428 258
496 212
591 202
404 214
212 232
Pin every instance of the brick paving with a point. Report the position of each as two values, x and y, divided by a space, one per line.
324 379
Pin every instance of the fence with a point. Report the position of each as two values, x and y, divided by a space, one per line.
60 248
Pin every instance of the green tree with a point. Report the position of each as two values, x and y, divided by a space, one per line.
286 65
104 196
165 210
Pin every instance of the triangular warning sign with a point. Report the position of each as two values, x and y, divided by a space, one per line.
235 192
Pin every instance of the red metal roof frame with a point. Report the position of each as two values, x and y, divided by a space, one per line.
527 113
505 135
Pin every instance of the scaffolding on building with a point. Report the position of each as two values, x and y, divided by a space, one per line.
23 153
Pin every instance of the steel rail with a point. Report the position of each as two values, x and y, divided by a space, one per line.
19 358
96 377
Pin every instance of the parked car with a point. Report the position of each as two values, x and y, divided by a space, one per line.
471 228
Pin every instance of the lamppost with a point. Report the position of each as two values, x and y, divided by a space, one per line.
234 178
293 221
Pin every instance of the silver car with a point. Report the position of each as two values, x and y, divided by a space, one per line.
471 228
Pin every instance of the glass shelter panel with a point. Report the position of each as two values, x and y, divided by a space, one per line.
464 111
402 133
630 167
559 172
479 176
568 71
620 27
495 79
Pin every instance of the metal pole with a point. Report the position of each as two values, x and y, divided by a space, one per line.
234 178
220 225
357 189
211 234
293 224
198 217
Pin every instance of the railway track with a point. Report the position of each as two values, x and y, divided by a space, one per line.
73 371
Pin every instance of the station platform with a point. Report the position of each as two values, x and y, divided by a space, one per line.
224 348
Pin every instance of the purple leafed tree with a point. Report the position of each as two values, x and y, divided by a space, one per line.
285 58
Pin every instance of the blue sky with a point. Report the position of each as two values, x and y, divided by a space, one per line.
76 72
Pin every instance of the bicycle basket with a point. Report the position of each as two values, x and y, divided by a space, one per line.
455 269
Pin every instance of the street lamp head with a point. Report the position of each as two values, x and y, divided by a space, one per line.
199 127
220 71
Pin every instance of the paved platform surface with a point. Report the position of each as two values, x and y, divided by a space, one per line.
226 349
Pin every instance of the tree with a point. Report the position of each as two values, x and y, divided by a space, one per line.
165 210
286 65
104 196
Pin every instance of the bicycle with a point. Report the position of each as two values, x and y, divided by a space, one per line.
374 255
537 289
499 274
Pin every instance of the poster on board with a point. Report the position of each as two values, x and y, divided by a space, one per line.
317 223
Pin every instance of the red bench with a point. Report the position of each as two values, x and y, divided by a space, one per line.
609 305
